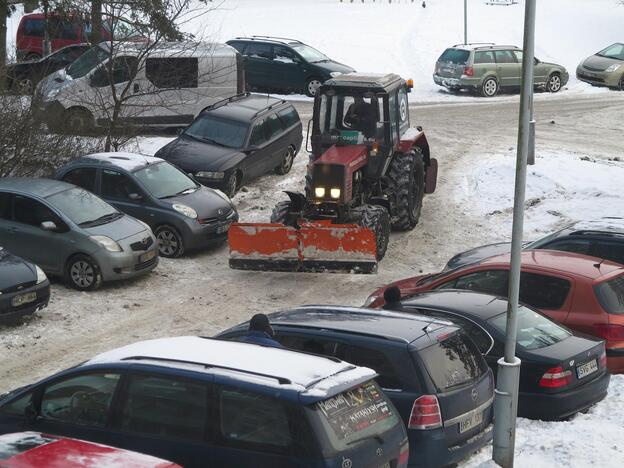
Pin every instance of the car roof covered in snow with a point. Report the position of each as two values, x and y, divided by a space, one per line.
298 376
128 161
36 186
365 80
208 50
556 260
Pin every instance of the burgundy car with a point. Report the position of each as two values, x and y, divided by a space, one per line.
583 293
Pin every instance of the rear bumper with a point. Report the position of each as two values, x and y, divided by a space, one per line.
565 404
9 313
457 83
615 360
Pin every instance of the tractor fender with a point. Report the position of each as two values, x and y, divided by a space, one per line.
415 136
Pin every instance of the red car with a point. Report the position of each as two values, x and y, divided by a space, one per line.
584 293
34 450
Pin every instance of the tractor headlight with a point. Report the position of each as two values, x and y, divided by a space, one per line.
335 193
319 192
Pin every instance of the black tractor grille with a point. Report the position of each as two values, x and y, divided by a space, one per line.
143 244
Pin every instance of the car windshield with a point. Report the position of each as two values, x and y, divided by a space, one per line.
615 51
163 180
87 62
457 56
534 330
610 294
310 54
83 208
216 131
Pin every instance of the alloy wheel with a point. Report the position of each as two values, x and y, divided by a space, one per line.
490 87
287 162
82 274
554 83
168 242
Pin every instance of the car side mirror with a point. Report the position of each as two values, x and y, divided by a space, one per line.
135 197
536 60
49 226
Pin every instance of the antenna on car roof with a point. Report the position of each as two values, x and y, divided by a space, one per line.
599 264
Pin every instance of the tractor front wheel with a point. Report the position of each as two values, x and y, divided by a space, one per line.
406 180
377 219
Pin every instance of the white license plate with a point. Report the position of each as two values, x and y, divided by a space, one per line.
587 369
471 422
223 228
146 257
24 299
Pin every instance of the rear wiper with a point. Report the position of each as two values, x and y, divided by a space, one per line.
102 219
377 437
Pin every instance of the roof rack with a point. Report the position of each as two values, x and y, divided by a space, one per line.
266 109
281 380
475 43
223 102
279 38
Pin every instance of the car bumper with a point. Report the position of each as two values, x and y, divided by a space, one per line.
127 264
457 83
8 312
199 236
430 448
615 360
565 404
598 78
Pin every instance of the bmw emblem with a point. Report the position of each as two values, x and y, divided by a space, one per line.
347 463
474 394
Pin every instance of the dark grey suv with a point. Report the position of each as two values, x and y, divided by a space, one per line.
183 214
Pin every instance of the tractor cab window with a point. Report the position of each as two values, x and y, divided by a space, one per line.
351 119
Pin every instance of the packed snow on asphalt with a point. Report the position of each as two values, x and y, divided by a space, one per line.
577 175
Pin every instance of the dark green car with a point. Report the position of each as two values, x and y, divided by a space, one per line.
488 68
285 65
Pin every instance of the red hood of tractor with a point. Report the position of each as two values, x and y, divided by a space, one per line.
351 156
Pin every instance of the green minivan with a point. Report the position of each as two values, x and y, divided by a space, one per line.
285 65
488 68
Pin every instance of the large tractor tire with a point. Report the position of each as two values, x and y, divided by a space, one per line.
406 180
280 212
377 219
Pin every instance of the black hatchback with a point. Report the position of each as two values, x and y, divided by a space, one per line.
183 214
236 140
24 288
560 375
430 370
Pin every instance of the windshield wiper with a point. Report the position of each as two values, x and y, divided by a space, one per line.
102 219
377 437
207 140
182 192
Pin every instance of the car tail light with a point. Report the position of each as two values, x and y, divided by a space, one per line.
468 71
556 377
404 455
425 413
602 360
610 331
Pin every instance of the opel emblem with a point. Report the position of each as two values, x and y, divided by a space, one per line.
474 394
379 452
347 463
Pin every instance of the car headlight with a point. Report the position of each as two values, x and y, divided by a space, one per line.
210 175
41 276
185 210
335 193
613 68
106 242
319 192
223 195
335 74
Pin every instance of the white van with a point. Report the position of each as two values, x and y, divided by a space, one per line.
172 83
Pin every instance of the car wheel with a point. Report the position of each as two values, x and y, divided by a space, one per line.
25 86
170 244
78 121
489 87
231 186
312 86
83 273
553 84
287 162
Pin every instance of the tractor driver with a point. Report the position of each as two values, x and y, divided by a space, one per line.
361 116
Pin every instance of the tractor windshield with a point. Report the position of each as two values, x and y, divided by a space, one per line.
351 119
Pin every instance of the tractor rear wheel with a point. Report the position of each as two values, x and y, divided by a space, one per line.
377 219
406 180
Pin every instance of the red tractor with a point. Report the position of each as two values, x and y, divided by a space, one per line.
368 173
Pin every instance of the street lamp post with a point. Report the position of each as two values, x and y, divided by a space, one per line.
465 21
506 395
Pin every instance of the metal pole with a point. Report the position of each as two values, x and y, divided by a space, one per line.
506 401
465 21
531 155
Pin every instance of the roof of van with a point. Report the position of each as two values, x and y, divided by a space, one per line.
245 108
128 161
176 49
307 377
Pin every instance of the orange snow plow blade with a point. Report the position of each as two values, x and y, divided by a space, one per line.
314 246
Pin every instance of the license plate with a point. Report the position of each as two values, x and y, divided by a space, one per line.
223 228
146 257
447 70
470 423
587 369
24 299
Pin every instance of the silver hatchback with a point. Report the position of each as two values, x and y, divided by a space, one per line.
72 233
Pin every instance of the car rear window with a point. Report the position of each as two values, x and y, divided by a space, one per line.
453 362
534 330
610 294
355 415
458 56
